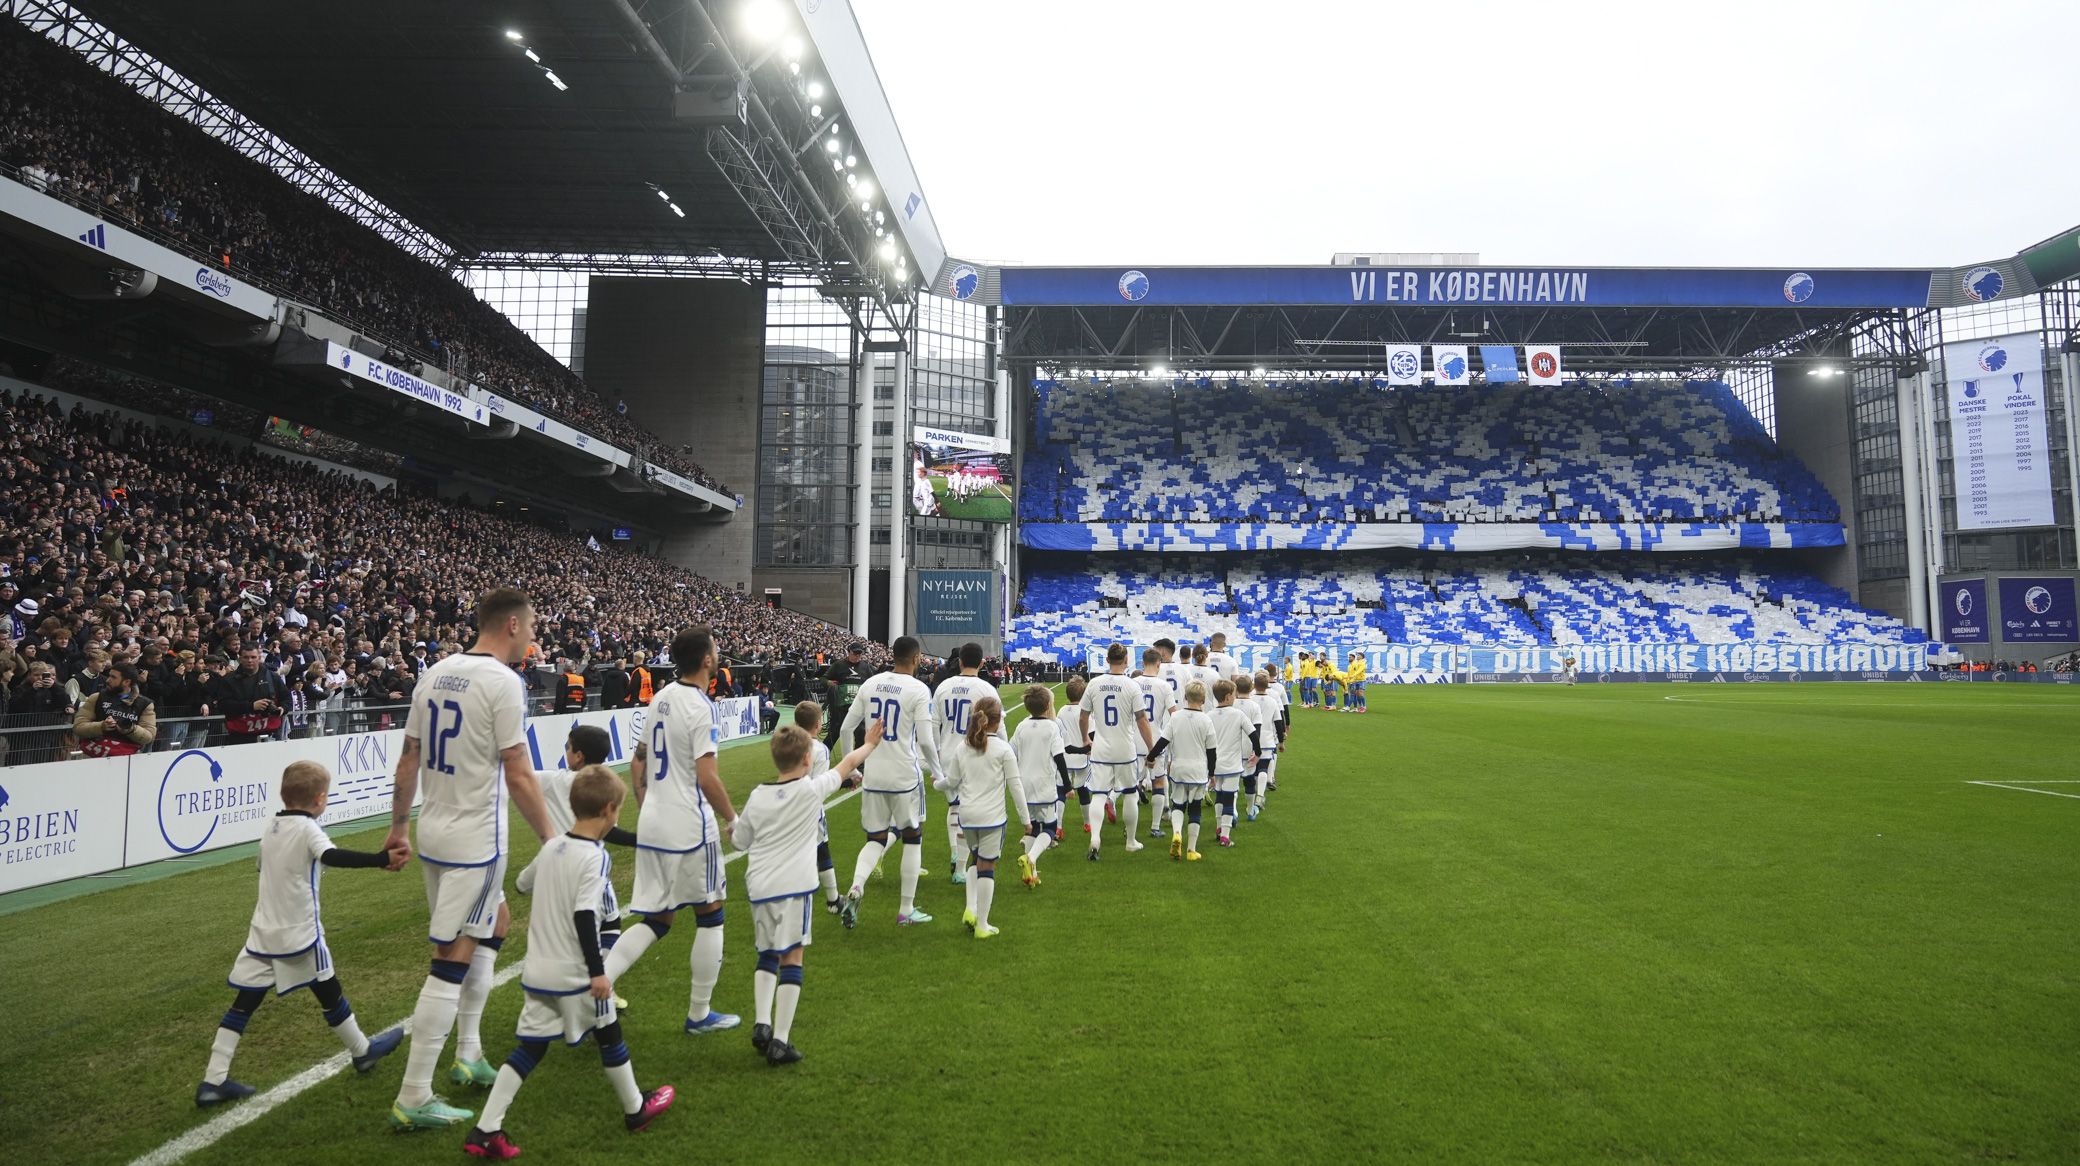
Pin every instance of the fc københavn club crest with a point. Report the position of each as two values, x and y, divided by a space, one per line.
1798 287
1133 286
1982 284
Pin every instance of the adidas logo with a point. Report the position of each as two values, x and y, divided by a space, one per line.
96 236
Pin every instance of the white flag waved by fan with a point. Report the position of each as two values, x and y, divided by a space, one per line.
1449 362
1542 364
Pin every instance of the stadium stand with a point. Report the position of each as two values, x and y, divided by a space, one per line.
127 541
1357 451
1071 603
73 132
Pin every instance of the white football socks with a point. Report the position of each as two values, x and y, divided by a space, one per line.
913 864
469 1011
985 894
707 969
220 1053
1130 816
784 1003
869 858
1191 837
431 1022
503 1090
763 983
623 1077
628 949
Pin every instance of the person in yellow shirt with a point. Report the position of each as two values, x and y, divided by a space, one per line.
1332 683
1354 684
1310 680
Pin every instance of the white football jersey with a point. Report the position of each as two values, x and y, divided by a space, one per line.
981 780
1155 702
954 702
1176 676
1070 722
680 730
1113 701
571 874
1259 716
466 710
556 795
908 746
1191 735
1037 742
1223 665
819 758
778 829
1231 727
285 918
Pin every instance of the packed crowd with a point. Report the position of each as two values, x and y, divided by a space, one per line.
72 131
122 543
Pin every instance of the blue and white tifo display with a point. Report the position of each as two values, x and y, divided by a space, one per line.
1444 663
1997 441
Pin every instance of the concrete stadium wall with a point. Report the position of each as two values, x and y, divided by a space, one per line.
824 592
687 355
1813 426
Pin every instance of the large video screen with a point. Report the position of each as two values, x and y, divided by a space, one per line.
960 475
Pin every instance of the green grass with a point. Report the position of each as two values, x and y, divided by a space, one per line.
1767 923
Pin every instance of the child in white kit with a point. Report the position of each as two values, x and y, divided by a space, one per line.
285 945
777 830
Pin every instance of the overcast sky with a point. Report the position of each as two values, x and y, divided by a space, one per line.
1816 133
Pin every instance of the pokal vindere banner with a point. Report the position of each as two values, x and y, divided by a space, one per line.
961 475
1997 445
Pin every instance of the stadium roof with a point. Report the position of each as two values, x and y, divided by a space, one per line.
438 111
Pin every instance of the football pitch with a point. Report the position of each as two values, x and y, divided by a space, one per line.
1635 923
992 503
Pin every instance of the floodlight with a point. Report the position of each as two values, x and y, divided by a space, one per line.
513 34
815 91
815 111
677 211
762 20
851 160
533 56
830 145
555 80
666 197
791 48
888 249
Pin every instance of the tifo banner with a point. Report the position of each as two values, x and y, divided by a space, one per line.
1404 364
1449 362
960 475
1542 364
1965 616
1427 536
955 603
1499 363
1386 660
2003 466
2038 611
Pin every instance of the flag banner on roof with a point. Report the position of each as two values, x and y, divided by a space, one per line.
1449 362
1499 363
1404 364
1542 364
1997 440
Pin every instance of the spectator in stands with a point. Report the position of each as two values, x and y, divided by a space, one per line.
77 134
613 684
118 720
251 700
41 710
570 691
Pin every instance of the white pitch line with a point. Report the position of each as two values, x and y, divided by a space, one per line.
2025 789
261 1104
